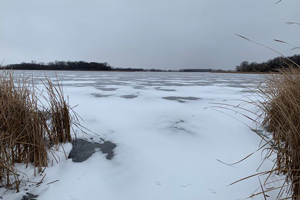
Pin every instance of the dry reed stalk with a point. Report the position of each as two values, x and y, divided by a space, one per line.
59 114
24 127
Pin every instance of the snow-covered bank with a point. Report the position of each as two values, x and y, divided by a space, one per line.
168 133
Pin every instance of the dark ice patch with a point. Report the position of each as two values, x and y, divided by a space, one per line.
139 87
175 84
181 99
83 149
107 89
236 85
29 196
163 89
249 91
130 96
100 95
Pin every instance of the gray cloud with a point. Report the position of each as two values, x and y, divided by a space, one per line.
169 34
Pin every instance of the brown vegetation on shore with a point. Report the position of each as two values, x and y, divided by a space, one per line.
281 106
29 127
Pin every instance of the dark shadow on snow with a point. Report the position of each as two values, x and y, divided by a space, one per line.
83 149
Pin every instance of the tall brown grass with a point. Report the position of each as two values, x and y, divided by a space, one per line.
281 106
28 127
281 114
279 101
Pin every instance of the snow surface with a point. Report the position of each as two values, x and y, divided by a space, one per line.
167 148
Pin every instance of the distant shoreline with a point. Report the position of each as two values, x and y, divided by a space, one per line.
214 72
77 70
89 66
236 72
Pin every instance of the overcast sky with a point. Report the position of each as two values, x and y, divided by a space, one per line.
165 34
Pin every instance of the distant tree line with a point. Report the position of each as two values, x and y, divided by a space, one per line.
195 70
139 70
87 66
271 65
61 65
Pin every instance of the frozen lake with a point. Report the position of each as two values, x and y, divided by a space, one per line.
144 79
169 130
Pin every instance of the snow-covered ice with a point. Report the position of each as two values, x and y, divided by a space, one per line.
170 133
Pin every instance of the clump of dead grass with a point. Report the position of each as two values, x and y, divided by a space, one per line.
278 103
29 126
281 108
